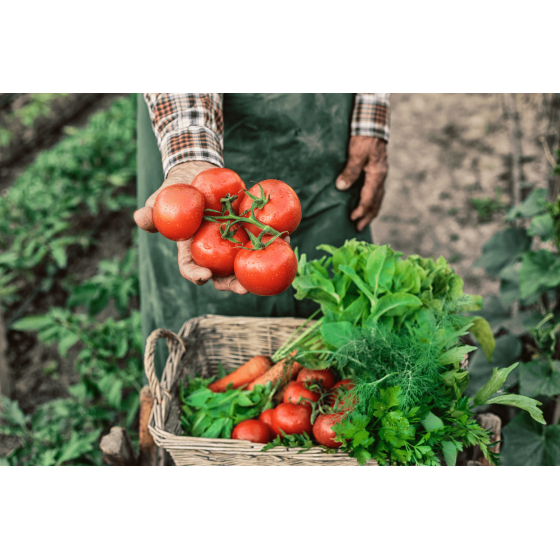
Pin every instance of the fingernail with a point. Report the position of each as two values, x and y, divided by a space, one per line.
341 184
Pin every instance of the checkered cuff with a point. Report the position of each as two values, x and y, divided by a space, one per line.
192 144
371 115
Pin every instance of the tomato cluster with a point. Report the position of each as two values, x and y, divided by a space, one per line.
234 231
294 414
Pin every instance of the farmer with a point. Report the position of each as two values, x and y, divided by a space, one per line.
313 142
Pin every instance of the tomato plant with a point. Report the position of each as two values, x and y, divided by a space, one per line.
216 183
211 251
178 211
282 212
252 430
268 271
291 419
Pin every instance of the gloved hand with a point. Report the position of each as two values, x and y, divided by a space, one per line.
369 154
185 173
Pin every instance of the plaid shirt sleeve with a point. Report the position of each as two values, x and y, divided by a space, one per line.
188 127
371 115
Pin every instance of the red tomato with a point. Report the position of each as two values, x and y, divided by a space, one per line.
178 211
252 430
323 432
339 391
267 272
266 418
292 419
295 390
215 183
211 251
282 212
324 376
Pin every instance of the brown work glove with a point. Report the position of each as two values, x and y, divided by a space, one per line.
185 173
369 154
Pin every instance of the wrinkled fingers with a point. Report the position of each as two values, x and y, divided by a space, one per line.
189 269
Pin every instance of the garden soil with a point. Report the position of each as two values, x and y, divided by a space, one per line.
445 150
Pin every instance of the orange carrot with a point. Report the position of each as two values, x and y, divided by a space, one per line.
249 371
280 371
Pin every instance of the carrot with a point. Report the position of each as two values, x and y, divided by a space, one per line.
249 371
280 371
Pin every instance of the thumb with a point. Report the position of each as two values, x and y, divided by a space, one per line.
351 171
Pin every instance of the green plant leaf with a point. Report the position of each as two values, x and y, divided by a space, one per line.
359 282
498 378
374 267
534 204
431 422
483 333
504 248
540 271
539 378
393 301
32 323
520 401
449 453
528 443
542 226
508 349
79 445
455 354
337 334
67 342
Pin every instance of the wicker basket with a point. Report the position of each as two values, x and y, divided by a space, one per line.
201 344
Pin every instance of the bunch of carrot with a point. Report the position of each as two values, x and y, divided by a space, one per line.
258 371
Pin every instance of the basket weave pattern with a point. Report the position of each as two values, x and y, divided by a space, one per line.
201 344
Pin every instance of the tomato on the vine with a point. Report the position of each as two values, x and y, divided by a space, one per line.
266 272
282 212
324 376
252 430
209 250
292 419
322 429
295 390
178 211
339 395
216 183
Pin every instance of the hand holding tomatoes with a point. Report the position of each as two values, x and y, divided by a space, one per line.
209 216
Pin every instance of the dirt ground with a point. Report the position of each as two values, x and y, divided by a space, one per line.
445 149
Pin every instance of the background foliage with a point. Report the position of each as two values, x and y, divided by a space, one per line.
50 213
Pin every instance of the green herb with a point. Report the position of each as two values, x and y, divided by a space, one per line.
213 415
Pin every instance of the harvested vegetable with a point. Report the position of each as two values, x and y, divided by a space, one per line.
291 418
323 376
279 374
323 432
252 430
248 372
298 393
213 415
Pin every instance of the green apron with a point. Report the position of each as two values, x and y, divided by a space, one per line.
299 138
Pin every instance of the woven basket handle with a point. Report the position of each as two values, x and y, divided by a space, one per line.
155 387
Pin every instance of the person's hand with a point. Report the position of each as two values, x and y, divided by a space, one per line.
369 154
185 173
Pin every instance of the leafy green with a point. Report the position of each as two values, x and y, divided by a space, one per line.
213 415
494 384
540 378
529 443
504 248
